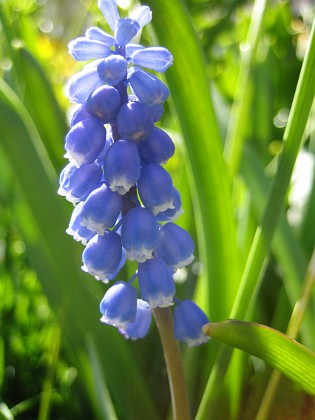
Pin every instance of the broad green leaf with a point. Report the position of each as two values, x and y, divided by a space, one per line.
210 188
285 245
278 350
39 99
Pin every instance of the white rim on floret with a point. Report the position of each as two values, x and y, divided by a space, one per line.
76 159
67 194
176 215
94 226
161 301
197 341
98 274
76 236
162 207
120 185
116 322
185 262
139 255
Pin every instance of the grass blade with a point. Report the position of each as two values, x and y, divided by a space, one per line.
190 92
278 350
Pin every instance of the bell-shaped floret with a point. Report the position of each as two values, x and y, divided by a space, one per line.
110 12
130 49
78 114
109 142
102 255
156 283
157 147
112 69
156 112
155 58
98 34
119 305
176 246
79 232
134 121
104 103
83 49
143 16
155 188
122 261
122 166
139 234
125 30
148 88
77 183
82 84
172 214
188 321
140 327
101 209
85 141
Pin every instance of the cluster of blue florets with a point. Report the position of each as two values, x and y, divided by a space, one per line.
125 201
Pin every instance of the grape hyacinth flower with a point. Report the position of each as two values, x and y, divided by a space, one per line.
188 321
125 199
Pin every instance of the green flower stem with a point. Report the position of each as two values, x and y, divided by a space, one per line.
292 140
292 331
174 365
239 112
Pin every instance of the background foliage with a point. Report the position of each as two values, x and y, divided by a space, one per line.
235 72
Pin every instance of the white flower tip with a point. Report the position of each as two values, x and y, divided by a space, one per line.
161 301
198 341
139 255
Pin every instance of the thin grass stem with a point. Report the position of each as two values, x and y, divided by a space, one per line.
234 138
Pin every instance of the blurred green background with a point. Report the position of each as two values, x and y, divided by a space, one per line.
56 360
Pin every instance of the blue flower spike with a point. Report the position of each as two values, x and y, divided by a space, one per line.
188 321
125 201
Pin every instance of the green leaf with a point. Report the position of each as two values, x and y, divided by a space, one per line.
210 187
278 350
39 99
